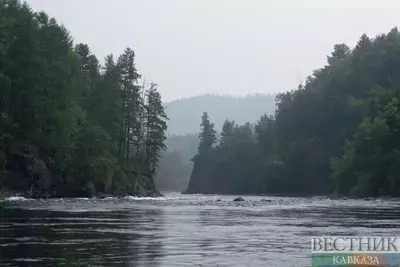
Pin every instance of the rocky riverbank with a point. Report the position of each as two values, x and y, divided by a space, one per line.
29 174
141 191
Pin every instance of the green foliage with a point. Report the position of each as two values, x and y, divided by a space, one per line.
155 127
369 163
63 113
207 136
337 133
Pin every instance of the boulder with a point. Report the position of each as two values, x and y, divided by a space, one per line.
238 199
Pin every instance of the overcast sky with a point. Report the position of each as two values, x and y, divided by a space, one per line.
192 47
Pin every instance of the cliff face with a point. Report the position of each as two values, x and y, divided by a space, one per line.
142 186
25 172
200 179
28 174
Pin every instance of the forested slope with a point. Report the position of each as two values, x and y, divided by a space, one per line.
337 133
68 125
175 164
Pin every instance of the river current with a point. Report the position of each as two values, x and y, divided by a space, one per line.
183 230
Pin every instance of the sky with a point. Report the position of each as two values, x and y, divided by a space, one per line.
236 47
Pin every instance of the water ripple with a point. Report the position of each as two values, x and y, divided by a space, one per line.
182 230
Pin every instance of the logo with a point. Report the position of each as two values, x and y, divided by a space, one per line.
355 251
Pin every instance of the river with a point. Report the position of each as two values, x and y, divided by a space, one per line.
182 230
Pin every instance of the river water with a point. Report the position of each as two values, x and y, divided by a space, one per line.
182 230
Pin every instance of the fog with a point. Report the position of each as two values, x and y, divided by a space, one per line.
96 170
226 46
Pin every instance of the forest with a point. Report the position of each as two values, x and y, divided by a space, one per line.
69 125
73 125
336 134
175 163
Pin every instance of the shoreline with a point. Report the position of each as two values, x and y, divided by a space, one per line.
5 193
299 195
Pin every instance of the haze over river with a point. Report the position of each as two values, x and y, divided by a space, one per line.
183 230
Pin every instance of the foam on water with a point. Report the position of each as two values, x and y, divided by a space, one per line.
16 199
82 198
144 198
109 198
184 230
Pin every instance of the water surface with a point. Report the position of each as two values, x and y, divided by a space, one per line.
182 230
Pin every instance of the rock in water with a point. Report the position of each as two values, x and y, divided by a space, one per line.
238 199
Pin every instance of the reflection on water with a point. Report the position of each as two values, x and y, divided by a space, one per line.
181 230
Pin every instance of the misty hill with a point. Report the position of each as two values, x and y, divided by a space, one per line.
185 113
175 165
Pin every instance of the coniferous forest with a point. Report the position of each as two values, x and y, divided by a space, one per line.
70 126
338 133
94 166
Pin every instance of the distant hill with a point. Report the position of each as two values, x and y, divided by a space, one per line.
185 114
175 165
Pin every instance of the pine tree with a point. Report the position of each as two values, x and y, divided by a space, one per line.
227 133
105 101
59 109
203 161
207 135
130 106
90 67
88 62
156 125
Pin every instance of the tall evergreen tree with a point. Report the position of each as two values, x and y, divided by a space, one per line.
131 104
156 125
207 135
336 133
68 126
227 133
200 177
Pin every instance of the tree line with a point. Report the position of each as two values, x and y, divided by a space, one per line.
70 126
338 133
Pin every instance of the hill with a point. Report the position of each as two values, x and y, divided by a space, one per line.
338 133
175 165
184 114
